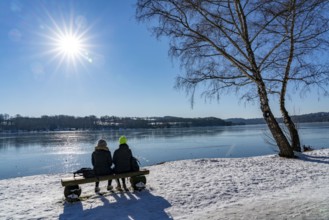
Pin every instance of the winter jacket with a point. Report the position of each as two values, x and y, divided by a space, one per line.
101 160
121 159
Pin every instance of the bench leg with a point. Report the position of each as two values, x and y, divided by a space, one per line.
138 182
72 193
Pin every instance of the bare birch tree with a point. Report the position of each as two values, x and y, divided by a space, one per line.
259 49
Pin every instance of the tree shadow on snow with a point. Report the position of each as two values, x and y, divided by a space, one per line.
316 159
133 206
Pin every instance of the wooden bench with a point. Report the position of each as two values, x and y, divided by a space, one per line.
71 184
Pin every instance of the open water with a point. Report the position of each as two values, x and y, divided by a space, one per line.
24 154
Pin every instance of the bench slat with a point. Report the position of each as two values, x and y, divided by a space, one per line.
70 181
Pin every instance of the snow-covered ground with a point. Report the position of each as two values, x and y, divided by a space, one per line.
266 187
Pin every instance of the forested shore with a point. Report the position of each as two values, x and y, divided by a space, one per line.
65 122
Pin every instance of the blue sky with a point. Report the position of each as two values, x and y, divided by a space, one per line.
120 69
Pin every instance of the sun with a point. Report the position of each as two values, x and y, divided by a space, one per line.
68 42
70 46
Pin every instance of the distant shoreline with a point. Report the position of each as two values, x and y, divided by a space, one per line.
126 129
93 123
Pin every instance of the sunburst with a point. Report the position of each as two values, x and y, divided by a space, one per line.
68 44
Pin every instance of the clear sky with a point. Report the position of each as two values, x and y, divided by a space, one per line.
91 57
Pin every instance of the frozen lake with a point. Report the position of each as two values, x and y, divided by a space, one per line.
23 154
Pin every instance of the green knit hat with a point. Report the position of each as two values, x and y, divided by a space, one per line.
123 140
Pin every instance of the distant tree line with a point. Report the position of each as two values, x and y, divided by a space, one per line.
312 117
65 122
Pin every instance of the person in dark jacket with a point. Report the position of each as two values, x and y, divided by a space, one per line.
101 160
121 160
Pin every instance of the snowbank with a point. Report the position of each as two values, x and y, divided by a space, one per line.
266 187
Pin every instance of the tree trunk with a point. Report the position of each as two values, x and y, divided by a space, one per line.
273 125
295 141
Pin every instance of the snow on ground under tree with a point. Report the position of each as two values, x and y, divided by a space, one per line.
265 187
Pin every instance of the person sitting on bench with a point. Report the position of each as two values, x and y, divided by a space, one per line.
101 160
122 161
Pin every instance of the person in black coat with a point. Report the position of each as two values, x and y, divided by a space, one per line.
101 160
122 160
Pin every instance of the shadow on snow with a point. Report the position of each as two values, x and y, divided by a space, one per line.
132 206
315 159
